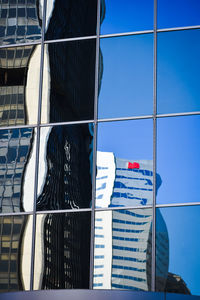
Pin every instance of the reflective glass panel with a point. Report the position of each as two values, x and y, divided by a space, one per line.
19 85
62 251
20 21
124 164
65 167
178 160
183 230
126 76
17 169
68 81
69 18
119 16
122 250
175 13
15 252
178 71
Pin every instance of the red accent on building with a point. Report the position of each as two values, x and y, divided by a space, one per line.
134 165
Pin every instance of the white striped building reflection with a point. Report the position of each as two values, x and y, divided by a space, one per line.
122 258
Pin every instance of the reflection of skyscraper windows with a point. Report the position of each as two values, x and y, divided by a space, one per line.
122 258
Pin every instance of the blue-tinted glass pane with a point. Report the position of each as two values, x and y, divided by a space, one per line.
124 164
183 228
176 13
178 160
126 73
178 71
122 250
124 16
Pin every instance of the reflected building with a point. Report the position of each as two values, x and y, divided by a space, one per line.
20 23
123 237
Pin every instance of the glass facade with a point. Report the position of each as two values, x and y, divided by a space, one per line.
99 145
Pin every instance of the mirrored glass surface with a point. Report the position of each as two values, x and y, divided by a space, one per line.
126 76
15 252
178 71
183 231
122 250
20 21
62 251
65 167
175 13
124 164
69 18
178 160
19 85
119 16
17 169
68 81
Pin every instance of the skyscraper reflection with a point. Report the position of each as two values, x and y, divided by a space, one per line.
123 237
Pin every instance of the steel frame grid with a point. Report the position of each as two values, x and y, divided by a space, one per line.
154 117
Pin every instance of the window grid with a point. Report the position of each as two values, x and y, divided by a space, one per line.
154 117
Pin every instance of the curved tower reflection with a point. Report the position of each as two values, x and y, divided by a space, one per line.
20 23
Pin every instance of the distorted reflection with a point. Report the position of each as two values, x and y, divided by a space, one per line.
120 181
21 21
184 263
69 18
68 81
126 66
122 258
65 167
17 165
15 253
19 67
122 255
126 16
62 251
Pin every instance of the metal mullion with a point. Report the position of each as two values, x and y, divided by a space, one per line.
63 211
126 33
37 148
94 148
178 28
153 268
66 123
179 114
122 208
81 38
126 118
178 204
20 44
22 213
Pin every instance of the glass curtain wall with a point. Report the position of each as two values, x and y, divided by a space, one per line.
99 145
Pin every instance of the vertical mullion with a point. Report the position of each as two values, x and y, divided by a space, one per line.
37 145
153 271
94 148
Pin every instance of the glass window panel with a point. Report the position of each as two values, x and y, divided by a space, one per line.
68 91
67 19
122 250
178 71
119 16
14 15
178 160
175 13
124 163
182 231
65 167
15 249
62 251
19 85
17 169
126 67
